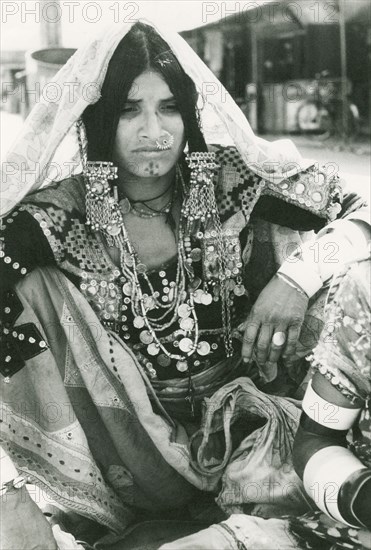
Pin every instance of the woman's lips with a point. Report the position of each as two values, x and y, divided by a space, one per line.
149 152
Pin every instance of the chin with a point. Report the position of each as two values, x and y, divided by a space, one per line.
156 168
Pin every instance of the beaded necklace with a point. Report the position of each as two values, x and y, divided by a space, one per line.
199 220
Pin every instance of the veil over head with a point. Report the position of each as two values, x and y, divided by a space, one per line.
46 149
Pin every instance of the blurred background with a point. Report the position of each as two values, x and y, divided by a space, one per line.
297 69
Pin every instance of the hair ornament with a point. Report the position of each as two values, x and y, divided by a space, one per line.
165 58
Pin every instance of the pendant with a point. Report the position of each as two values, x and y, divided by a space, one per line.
113 230
185 345
146 337
149 303
206 299
197 296
184 311
187 324
141 268
138 322
163 360
127 289
196 254
239 290
203 348
153 349
182 366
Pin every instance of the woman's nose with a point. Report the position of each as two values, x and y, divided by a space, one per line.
151 127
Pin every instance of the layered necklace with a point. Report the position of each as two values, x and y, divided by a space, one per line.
199 221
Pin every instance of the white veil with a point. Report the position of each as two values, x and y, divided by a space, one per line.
47 150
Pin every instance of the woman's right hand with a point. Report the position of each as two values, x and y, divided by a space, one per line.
23 525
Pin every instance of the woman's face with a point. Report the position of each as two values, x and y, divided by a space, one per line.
149 115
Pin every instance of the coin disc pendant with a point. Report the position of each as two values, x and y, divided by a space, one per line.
163 360
187 324
185 345
127 289
184 311
153 349
182 366
206 299
203 348
196 254
138 322
113 229
149 303
146 337
239 290
197 296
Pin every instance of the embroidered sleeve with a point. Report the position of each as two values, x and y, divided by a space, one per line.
312 190
303 202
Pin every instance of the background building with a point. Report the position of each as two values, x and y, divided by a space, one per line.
267 56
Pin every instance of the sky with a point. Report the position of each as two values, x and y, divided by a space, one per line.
20 19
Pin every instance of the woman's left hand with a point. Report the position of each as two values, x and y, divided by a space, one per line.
274 323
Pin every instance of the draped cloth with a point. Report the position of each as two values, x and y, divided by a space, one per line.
78 419
46 149
344 348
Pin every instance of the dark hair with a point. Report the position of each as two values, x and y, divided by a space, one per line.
141 49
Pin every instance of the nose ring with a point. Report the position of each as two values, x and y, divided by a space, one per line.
166 142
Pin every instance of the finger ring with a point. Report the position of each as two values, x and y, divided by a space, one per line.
279 338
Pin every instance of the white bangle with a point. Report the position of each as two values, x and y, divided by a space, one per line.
328 414
291 283
304 274
325 473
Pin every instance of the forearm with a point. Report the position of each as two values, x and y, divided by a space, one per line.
315 262
334 478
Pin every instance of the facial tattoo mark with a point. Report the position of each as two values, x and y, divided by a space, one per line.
153 168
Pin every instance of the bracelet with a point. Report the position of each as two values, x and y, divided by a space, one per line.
325 473
328 414
288 281
348 391
16 483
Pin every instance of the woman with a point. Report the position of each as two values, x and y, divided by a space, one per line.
144 270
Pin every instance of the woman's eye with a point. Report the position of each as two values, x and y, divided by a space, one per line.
171 107
127 109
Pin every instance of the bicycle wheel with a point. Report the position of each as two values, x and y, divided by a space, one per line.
314 120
